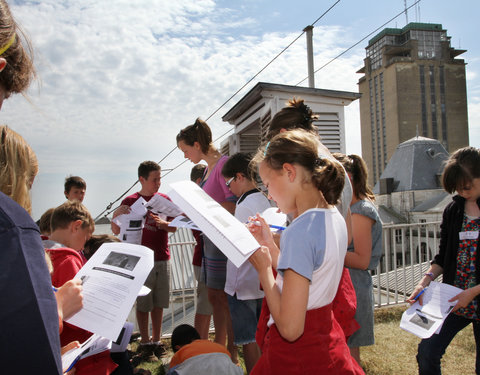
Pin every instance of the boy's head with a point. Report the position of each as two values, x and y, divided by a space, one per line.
237 173
74 222
183 335
94 242
45 221
149 177
197 173
75 188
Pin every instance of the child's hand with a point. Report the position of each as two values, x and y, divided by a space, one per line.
69 298
262 232
261 259
122 210
463 299
411 300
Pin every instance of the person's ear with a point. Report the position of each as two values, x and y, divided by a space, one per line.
290 171
76 225
283 130
3 63
239 176
197 145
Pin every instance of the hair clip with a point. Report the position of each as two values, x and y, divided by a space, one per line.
266 148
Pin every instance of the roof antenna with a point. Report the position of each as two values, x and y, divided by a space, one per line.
417 132
406 10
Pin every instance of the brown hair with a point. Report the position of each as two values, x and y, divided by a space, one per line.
357 168
19 71
146 167
44 224
461 168
74 181
198 170
94 242
198 132
70 211
296 115
18 167
301 148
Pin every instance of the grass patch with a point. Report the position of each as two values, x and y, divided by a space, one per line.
395 349
393 353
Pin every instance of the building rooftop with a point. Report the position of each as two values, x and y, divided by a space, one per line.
415 165
258 91
410 26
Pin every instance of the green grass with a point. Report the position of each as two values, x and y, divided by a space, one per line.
393 353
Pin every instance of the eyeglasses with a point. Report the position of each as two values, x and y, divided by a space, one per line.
229 181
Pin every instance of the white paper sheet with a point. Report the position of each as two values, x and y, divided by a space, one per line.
162 206
183 222
93 345
425 320
131 224
112 279
222 228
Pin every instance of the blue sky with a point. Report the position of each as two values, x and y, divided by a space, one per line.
118 79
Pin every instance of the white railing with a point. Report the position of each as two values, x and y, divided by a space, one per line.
407 252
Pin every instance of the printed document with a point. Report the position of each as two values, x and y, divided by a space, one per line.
112 279
93 345
427 319
131 224
230 235
183 222
162 206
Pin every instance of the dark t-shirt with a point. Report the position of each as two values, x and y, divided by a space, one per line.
152 236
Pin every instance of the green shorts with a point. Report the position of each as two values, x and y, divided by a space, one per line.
159 282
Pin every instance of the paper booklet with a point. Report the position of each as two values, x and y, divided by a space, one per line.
427 319
131 224
112 279
93 345
183 222
220 226
162 206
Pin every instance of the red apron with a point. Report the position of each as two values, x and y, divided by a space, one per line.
321 349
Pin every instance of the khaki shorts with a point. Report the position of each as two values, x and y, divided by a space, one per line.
203 304
159 282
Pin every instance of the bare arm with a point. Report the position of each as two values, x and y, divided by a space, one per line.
162 224
121 210
289 307
229 206
436 270
362 242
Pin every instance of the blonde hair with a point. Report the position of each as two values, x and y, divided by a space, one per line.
18 167
301 147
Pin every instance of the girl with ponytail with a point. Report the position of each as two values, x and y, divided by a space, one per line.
303 335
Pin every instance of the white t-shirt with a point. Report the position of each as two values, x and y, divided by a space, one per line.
314 246
244 280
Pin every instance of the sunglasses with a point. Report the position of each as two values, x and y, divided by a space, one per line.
229 181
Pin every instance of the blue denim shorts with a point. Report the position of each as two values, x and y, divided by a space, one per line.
245 315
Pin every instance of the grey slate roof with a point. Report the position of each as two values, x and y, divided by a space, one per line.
415 165
434 204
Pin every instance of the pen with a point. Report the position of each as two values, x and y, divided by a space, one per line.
277 227
419 294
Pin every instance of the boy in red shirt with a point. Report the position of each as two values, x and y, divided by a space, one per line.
72 226
155 237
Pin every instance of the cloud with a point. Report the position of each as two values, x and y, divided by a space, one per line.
119 79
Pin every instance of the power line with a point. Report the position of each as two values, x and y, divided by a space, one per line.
361 40
109 206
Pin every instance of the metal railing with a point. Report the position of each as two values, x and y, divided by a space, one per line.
407 252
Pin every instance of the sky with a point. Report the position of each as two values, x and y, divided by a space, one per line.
117 79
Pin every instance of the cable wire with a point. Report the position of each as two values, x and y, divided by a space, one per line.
361 40
215 112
